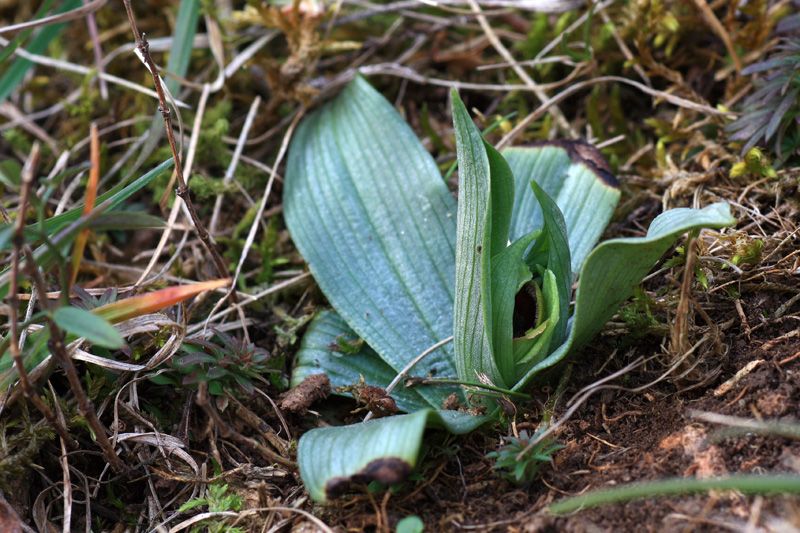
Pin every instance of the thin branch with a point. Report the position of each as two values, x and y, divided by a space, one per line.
226 431
18 241
404 373
58 348
183 192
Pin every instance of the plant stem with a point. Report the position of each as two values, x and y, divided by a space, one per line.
413 382
183 189
18 241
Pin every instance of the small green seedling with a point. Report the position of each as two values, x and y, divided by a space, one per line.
218 500
228 365
519 464
406 268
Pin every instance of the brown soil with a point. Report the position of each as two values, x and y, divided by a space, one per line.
633 430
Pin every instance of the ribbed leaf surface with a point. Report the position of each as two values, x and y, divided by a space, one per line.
368 209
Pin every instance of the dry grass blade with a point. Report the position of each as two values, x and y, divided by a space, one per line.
183 190
88 205
79 12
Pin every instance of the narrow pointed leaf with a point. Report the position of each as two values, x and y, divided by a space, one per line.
69 224
482 232
558 258
155 301
320 352
117 195
368 210
178 63
616 267
15 73
128 220
509 274
577 178
383 450
83 323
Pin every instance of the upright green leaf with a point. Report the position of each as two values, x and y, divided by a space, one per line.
509 273
557 257
325 349
575 176
383 450
367 208
486 189
616 267
182 42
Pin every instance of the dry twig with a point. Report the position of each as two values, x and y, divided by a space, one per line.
183 189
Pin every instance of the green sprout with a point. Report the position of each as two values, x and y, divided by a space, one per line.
519 462
230 366
754 163
218 500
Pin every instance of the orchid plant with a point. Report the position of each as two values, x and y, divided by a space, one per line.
406 267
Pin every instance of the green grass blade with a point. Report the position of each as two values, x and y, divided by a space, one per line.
178 63
73 221
20 66
116 195
183 40
746 483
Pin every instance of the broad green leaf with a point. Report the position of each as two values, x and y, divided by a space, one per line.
383 450
616 267
83 323
61 229
367 208
320 352
575 175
